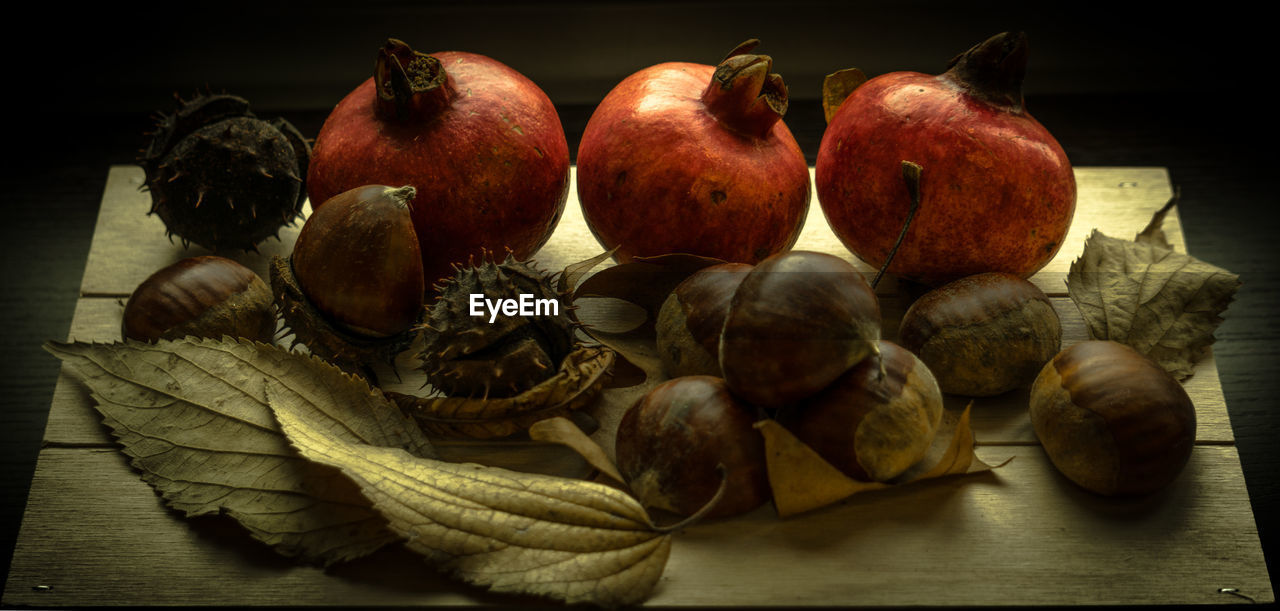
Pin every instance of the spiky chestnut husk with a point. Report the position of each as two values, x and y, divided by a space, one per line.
222 178
310 327
464 355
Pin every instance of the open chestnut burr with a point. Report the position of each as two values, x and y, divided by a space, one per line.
354 286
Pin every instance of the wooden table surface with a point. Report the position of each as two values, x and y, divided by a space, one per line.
1021 535
88 501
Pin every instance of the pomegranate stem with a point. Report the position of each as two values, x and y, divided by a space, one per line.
911 175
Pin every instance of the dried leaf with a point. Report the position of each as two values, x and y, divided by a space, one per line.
564 432
1153 233
193 418
800 479
573 273
644 282
1163 304
573 540
576 385
617 294
837 86
803 481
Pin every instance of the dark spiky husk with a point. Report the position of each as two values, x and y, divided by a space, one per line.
353 353
466 356
222 178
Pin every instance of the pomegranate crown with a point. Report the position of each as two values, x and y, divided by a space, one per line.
409 85
993 70
745 93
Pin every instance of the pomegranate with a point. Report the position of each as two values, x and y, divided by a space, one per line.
997 190
480 143
692 158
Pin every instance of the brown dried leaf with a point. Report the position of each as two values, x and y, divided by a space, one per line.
803 481
573 273
576 385
564 432
192 417
1153 233
573 540
1163 304
644 282
837 86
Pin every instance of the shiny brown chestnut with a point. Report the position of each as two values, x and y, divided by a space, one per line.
208 296
691 318
357 259
983 335
672 441
876 420
797 321
353 289
1112 420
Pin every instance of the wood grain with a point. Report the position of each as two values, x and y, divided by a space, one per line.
1023 535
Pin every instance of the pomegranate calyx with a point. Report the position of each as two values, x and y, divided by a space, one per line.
993 70
410 86
747 46
745 94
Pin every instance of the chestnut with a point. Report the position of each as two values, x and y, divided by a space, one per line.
353 289
208 296
983 335
690 320
875 420
673 440
797 321
1112 420
358 261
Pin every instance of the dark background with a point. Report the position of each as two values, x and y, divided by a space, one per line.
1189 88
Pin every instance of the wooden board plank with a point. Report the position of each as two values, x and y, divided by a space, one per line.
1023 535
95 534
996 420
129 245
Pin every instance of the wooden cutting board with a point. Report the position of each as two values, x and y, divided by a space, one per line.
95 534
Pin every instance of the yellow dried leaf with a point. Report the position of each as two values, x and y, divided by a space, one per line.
564 432
803 481
576 385
573 540
193 418
837 86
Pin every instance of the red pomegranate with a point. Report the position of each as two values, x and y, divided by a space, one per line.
997 190
481 144
691 158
